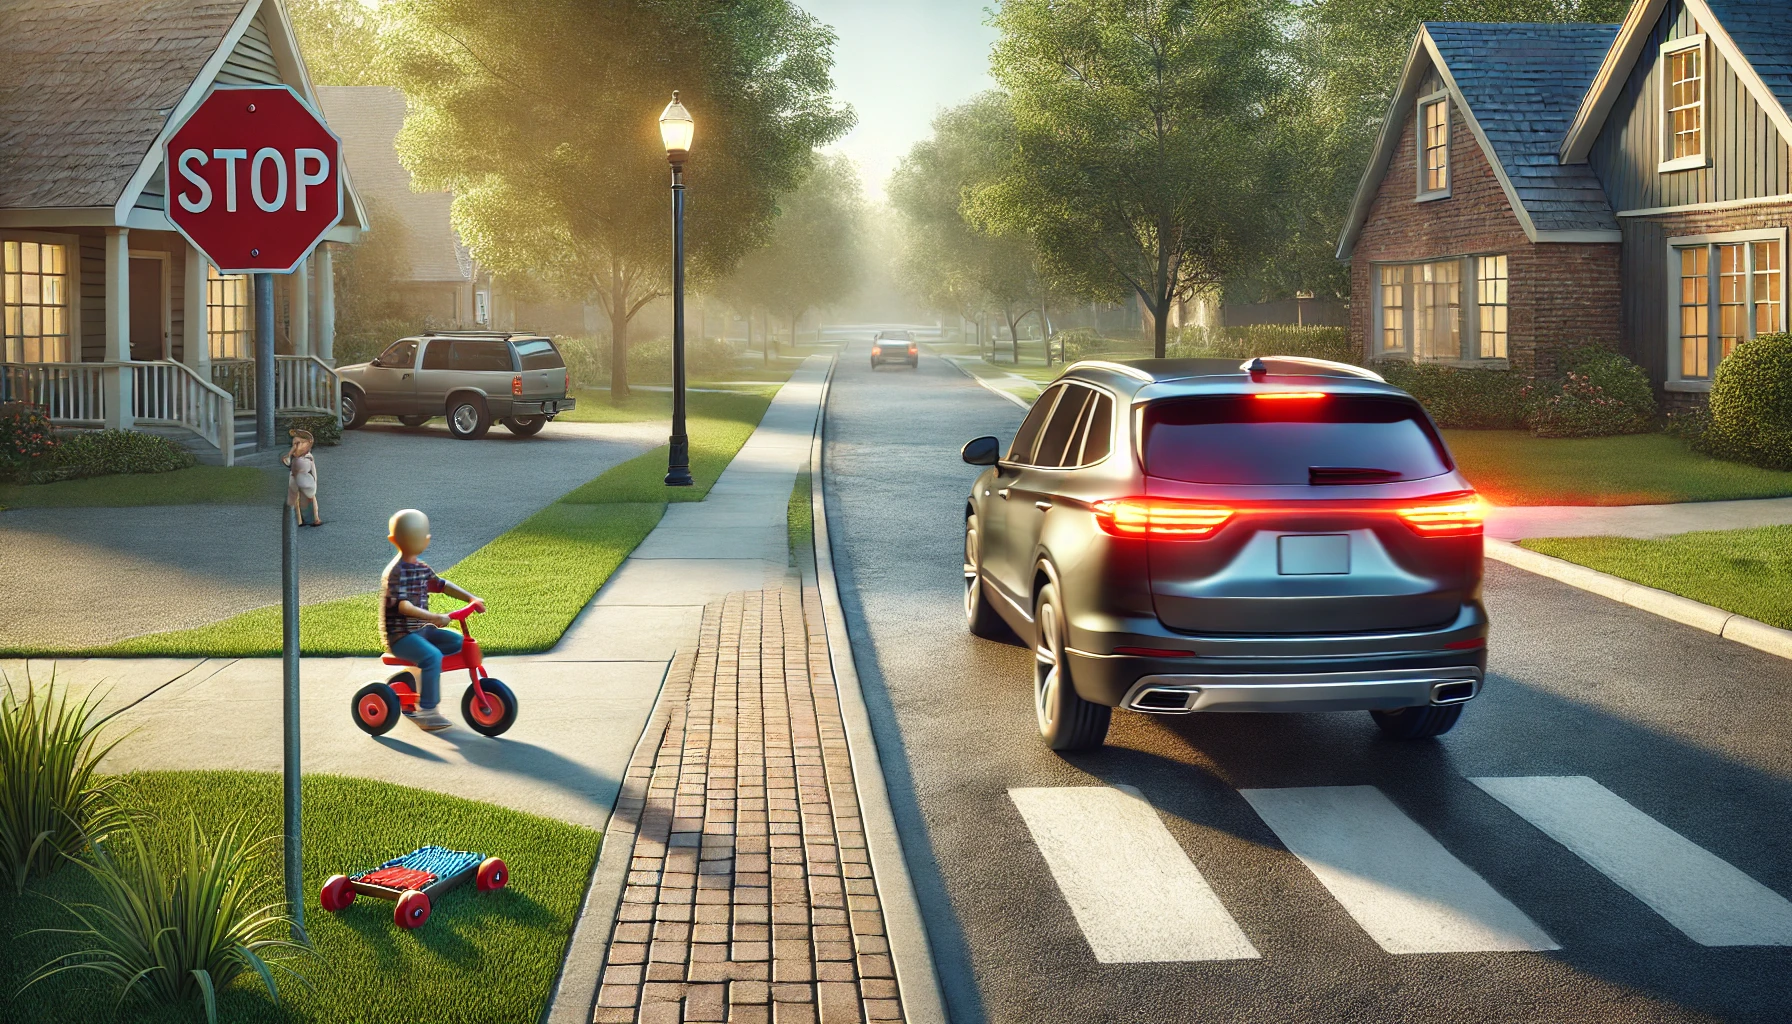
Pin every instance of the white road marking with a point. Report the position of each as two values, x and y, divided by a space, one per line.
1136 896
1697 892
1409 893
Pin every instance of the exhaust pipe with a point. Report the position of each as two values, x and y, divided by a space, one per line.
1162 700
1454 692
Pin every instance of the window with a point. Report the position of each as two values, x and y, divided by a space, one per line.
1061 444
435 355
539 355
1490 297
1236 440
37 301
1099 437
1728 289
482 356
400 355
229 319
1393 309
1434 147
1683 104
1437 310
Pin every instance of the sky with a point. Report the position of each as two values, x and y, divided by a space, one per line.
898 62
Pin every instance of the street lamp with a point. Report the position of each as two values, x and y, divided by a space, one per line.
676 128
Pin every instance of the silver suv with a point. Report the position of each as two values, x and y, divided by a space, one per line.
471 377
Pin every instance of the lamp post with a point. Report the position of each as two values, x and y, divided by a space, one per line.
676 129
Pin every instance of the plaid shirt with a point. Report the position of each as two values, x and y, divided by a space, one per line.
405 581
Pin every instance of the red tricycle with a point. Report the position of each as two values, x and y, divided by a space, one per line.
487 705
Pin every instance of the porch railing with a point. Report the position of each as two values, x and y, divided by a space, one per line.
172 394
70 393
236 376
306 384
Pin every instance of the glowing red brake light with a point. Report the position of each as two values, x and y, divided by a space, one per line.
516 384
1159 518
568 382
1295 395
1459 517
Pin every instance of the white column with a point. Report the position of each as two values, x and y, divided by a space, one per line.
301 309
195 341
326 306
119 413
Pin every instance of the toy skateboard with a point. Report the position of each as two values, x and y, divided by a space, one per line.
415 880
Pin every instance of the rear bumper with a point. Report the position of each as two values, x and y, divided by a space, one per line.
1382 690
548 407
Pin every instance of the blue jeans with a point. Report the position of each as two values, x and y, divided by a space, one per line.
425 649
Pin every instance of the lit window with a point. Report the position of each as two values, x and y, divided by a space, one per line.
1732 298
229 320
1695 312
1436 163
1685 100
1747 280
1490 295
1437 311
37 303
1393 309
1767 287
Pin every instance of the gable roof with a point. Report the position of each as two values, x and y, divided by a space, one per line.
1752 35
367 119
1517 87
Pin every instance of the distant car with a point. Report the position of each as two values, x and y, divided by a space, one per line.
472 377
1192 535
894 347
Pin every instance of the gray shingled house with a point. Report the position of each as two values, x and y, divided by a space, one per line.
110 317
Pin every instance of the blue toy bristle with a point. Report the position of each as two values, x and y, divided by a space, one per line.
437 860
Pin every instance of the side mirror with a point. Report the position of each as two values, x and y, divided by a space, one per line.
982 451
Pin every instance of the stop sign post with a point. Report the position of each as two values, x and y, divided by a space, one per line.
254 180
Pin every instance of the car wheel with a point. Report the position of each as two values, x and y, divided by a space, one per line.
979 615
1066 721
468 418
1421 723
354 409
414 421
524 426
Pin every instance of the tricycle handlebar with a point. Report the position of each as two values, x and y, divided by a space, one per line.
460 615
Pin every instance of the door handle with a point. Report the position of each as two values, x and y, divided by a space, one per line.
1042 505
405 377
1003 493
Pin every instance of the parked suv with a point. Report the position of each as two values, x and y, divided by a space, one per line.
1177 536
471 377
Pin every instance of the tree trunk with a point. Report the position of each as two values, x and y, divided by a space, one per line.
1013 332
1045 326
1160 324
618 337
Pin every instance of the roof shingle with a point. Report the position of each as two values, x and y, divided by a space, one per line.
1762 30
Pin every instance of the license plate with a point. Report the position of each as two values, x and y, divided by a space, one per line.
1323 554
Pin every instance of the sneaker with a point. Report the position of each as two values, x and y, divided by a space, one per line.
429 719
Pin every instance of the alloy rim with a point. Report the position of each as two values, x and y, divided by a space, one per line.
973 579
1045 668
465 418
348 409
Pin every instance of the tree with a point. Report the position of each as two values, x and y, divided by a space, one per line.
540 118
1144 165
813 258
340 40
950 260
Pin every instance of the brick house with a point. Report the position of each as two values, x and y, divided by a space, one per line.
1535 187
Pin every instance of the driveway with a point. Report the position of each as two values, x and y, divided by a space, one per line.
83 576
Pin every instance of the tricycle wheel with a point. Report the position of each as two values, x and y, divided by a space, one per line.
492 875
498 713
337 894
376 708
412 909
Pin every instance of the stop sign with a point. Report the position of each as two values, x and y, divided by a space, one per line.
254 179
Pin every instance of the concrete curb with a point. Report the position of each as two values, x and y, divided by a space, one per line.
910 951
1729 625
985 385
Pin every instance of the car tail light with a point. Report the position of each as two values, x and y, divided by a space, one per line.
877 350
568 388
1159 518
1466 645
911 350
1290 395
516 384
1458 517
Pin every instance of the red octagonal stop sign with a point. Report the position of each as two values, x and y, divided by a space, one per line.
254 179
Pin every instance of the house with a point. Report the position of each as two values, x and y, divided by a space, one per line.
111 317
1537 187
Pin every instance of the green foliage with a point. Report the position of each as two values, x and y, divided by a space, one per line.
325 430
103 453
341 42
26 437
1461 396
179 929
1600 393
1751 404
52 800
704 359
1332 343
813 258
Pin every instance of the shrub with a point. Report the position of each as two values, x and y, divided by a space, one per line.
358 341
649 362
1264 340
1083 343
105 452
1600 393
325 430
51 798
1751 404
26 436
180 928
1464 397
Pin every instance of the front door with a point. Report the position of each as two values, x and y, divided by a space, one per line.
149 337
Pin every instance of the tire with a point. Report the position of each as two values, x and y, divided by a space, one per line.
492 875
468 418
354 409
412 910
375 709
1421 723
497 718
980 616
1066 721
337 894
414 421
524 426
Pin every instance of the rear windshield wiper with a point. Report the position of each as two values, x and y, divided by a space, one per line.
1350 475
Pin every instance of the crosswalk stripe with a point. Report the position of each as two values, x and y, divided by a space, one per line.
1409 893
1136 896
1701 894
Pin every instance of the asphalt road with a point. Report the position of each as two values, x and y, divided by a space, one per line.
1690 730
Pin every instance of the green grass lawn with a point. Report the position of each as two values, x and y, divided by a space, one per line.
195 485
594 405
1744 571
1511 467
535 578
800 517
482 958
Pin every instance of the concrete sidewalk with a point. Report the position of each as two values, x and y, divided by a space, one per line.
582 705
1517 522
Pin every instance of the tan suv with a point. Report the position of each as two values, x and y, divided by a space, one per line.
471 377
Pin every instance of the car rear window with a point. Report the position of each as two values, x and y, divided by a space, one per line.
1242 439
539 355
482 355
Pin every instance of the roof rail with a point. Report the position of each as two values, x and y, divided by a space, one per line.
482 334
1102 364
1309 365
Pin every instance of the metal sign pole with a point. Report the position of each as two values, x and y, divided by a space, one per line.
264 362
289 664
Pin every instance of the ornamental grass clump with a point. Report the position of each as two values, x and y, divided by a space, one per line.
52 798
179 927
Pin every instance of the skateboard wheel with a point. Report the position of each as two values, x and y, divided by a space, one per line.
492 875
337 894
412 909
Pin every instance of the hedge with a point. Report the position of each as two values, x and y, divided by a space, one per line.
1751 404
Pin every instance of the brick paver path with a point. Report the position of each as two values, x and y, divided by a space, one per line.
750 894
